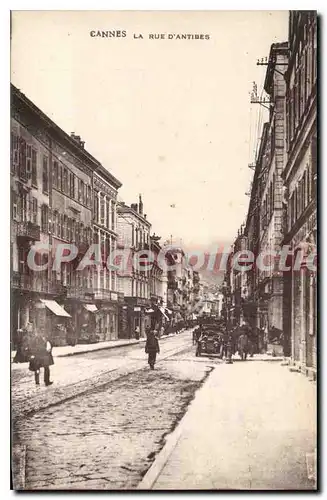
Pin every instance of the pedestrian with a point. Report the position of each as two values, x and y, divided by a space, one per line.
224 344
137 332
152 348
243 345
71 337
229 348
21 355
40 350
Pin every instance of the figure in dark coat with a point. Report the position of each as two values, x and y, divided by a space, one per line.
152 348
243 345
71 334
40 357
22 355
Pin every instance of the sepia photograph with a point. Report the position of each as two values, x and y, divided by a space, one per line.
163 250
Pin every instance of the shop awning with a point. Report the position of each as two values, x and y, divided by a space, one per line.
162 310
90 307
55 308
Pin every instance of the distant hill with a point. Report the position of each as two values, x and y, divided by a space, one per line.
213 270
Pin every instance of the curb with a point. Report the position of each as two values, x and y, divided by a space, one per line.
296 367
152 474
160 461
84 391
103 348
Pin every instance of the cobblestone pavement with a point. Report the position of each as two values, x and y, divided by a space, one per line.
75 375
108 438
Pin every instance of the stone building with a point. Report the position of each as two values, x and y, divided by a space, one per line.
254 303
53 181
239 277
300 177
176 298
270 279
133 237
51 198
261 293
106 296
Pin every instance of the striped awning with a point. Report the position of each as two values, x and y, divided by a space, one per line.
54 307
91 307
162 310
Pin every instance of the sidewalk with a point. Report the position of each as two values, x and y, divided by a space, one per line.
251 426
68 350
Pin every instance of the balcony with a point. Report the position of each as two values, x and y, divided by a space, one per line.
82 247
35 283
102 294
57 289
137 301
28 231
173 284
76 292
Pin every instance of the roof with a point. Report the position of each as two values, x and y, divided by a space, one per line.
122 208
103 172
93 163
275 49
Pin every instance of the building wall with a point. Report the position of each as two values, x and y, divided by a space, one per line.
27 200
59 208
300 178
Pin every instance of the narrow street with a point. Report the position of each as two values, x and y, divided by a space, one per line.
106 431
239 420
164 250
73 375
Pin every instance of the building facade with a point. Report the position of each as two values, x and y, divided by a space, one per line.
261 291
51 183
105 280
52 201
133 238
300 177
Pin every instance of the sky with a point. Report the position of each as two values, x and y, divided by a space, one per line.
171 119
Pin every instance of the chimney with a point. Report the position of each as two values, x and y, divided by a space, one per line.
77 138
144 216
140 205
134 206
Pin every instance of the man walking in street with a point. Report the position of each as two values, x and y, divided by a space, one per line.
152 348
40 357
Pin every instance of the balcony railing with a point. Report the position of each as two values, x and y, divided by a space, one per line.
28 230
79 292
35 283
102 294
82 247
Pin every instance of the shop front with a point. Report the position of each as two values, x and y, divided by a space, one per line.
133 317
37 312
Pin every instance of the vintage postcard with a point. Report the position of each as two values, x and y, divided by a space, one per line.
163 190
